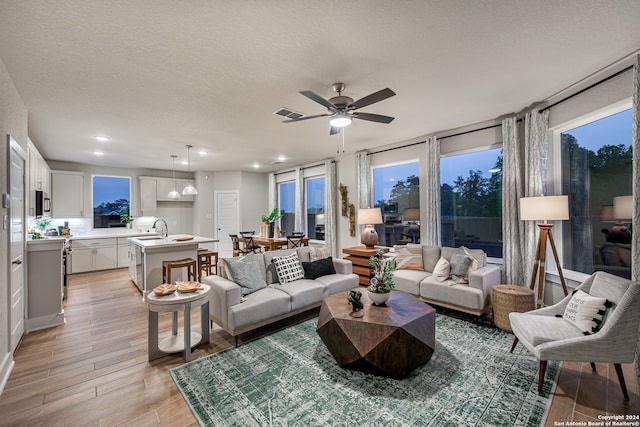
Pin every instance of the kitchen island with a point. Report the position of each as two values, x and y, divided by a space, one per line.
148 253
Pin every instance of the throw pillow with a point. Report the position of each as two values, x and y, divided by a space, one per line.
460 263
288 268
408 257
441 270
245 271
319 252
585 311
319 268
472 267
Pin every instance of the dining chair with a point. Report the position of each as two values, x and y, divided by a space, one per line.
236 244
294 241
249 244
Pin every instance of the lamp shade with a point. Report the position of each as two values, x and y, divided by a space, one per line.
412 214
544 208
623 208
606 213
369 216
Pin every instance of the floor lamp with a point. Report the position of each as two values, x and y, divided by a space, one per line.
544 208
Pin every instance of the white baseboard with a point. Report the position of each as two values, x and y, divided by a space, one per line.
5 370
43 322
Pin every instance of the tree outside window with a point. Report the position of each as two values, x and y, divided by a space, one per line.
111 198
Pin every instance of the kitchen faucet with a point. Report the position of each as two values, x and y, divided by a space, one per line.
164 228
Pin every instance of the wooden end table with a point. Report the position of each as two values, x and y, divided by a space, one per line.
359 257
183 341
389 340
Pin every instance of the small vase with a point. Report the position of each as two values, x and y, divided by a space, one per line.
270 230
378 299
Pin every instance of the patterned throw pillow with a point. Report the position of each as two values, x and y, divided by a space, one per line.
288 268
472 267
441 270
319 252
585 312
408 257
460 263
245 271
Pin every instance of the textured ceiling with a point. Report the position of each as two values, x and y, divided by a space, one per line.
156 75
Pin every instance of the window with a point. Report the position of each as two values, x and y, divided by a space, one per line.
287 204
471 201
111 198
396 191
315 207
596 164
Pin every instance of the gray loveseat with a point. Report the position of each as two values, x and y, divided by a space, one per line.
473 298
237 314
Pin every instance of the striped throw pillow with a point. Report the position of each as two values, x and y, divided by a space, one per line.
408 257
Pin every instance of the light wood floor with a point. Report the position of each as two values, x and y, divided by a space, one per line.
93 371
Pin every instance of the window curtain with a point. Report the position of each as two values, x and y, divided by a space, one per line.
330 204
635 220
431 226
513 231
273 192
363 182
300 223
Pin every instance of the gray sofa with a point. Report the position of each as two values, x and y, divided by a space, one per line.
473 298
237 314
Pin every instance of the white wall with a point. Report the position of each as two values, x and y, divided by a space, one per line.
254 194
13 121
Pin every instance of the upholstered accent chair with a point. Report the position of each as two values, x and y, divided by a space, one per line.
550 336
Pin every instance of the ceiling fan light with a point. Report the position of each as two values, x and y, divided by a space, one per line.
189 190
340 120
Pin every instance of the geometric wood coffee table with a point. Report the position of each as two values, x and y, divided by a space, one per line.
390 340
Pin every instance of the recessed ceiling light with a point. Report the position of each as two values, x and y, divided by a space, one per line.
98 153
184 162
202 153
102 138
256 166
281 158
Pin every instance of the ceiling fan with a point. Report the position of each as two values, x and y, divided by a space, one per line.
342 109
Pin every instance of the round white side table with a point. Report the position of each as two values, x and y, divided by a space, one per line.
178 341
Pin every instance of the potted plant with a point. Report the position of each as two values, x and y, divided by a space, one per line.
127 219
41 224
271 219
382 281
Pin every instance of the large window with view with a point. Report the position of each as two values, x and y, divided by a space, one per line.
111 200
396 191
315 207
287 205
597 168
471 201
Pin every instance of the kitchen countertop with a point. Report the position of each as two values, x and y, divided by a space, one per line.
110 235
159 242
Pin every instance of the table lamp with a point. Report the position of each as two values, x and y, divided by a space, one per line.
368 217
541 209
411 215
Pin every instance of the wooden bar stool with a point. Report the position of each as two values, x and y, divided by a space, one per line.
207 262
188 263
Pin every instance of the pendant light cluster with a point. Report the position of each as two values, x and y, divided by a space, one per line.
189 190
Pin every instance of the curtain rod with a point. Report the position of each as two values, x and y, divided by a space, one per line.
303 168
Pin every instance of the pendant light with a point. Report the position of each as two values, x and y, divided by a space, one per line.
173 194
189 189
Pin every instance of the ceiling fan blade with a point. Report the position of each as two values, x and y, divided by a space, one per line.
334 130
372 99
373 117
317 98
305 118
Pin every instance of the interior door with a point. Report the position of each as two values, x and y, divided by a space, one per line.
17 246
226 220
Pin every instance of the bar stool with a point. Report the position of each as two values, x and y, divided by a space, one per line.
188 263
207 262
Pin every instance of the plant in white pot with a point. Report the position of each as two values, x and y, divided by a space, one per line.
381 283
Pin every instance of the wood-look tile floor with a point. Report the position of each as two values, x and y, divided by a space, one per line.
93 371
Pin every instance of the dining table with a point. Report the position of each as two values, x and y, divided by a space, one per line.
273 243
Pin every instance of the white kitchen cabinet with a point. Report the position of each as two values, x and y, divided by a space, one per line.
148 205
94 254
39 177
123 252
166 185
67 194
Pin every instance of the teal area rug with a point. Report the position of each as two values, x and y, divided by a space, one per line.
289 378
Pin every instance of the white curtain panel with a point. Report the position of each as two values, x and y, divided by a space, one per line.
536 126
513 231
273 192
330 206
363 182
300 213
431 226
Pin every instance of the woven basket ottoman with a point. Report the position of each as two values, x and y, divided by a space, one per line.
507 299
